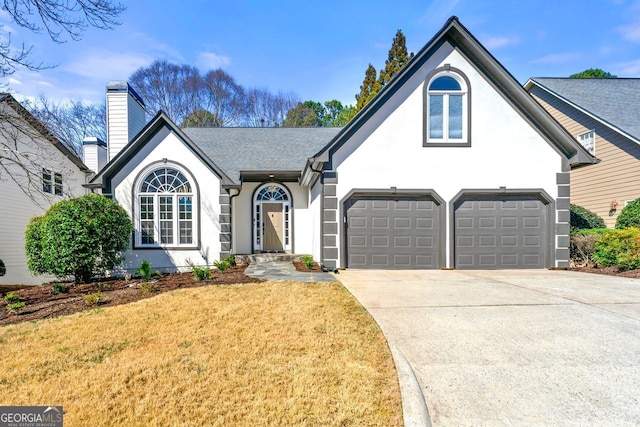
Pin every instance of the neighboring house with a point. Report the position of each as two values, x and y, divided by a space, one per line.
36 171
604 115
451 165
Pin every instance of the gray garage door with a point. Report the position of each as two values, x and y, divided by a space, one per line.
392 232
500 232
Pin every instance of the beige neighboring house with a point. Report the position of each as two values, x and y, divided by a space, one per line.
604 116
36 171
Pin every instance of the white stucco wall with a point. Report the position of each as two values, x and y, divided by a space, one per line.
388 150
242 222
17 208
165 145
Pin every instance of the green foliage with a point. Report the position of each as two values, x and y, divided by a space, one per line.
618 248
308 261
629 216
370 88
582 245
148 287
202 118
201 273
11 298
582 218
310 114
16 306
59 288
397 59
145 270
81 237
3 269
593 73
93 299
225 263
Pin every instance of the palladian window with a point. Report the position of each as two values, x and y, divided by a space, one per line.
166 215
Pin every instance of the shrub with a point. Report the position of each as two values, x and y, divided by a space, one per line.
225 263
145 270
582 218
11 298
3 269
582 244
629 215
81 237
148 287
93 299
201 273
619 248
308 261
59 288
16 306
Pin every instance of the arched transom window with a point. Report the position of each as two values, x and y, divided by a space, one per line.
166 214
447 108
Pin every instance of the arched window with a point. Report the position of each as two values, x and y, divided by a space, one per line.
166 214
447 108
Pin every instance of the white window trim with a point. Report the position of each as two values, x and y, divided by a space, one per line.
195 221
258 217
464 91
579 138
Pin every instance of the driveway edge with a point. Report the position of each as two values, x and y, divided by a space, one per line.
414 407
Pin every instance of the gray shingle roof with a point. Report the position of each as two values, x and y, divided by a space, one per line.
614 101
260 149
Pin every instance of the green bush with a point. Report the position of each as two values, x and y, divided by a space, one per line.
93 299
148 287
145 270
3 269
582 218
59 288
225 263
629 215
201 273
11 298
16 306
619 248
308 261
82 237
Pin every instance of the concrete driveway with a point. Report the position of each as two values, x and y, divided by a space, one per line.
528 347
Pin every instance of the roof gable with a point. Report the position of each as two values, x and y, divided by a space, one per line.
161 120
502 81
613 102
9 100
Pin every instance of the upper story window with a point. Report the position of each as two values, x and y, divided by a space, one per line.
447 108
51 182
588 141
166 215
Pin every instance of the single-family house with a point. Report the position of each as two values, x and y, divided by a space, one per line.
451 165
604 116
36 171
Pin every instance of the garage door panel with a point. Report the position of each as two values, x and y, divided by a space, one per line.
402 232
512 235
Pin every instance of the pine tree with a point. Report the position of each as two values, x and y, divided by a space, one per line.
369 89
398 58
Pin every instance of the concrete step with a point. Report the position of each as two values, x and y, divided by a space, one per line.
267 257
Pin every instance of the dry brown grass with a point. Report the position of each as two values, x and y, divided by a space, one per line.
260 354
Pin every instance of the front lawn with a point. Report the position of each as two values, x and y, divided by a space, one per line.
271 353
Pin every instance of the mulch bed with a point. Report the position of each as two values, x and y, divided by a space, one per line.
41 304
300 266
609 271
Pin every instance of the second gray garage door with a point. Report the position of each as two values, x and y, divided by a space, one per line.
393 232
500 232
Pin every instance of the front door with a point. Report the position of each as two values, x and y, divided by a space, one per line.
273 229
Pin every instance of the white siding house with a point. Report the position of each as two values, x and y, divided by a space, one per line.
36 171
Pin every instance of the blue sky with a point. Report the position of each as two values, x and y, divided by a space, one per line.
320 50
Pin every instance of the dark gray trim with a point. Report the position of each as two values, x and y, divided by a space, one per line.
398 192
261 176
148 168
425 109
538 193
225 227
329 221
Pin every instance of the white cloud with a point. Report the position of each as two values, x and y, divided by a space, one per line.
13 81
211 61
104 66
496 42
558 58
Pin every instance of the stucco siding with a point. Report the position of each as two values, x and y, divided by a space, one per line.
17 208
615 177
388 151
165 145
